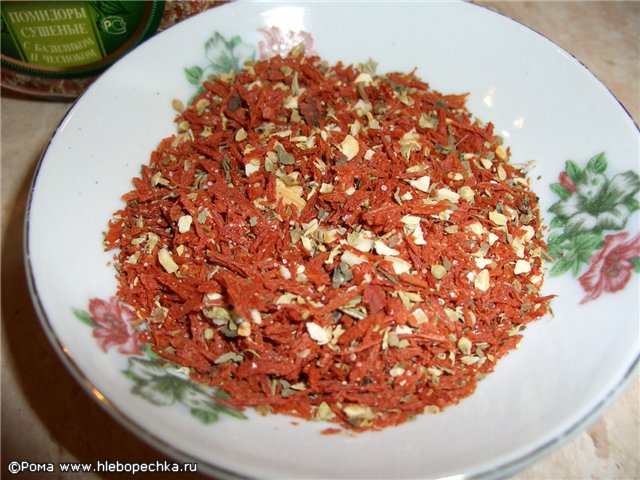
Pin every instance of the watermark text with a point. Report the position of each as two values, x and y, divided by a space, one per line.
159 466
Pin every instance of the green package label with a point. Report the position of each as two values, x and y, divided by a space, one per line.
73 38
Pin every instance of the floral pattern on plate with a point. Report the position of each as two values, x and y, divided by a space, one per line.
159 382
223 55
226 55
278 42
591 203
112 322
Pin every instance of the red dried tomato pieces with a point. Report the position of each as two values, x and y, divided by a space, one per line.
330 243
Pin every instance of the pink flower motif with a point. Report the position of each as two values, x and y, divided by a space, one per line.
278 43
566 182
114 319
610 267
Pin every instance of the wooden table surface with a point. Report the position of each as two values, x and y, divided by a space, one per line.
47 417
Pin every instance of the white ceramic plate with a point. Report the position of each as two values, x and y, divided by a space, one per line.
547 106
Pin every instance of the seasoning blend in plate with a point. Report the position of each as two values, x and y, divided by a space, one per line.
411 258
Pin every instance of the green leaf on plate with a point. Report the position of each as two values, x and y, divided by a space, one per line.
225 63
132 376
574 171
222 395
636 264
557 237
559 190
632 204
84 317
144 369
572 253
205 416
561 266
194 74
159 391
557 222
555 249
150 354
598 163
219 407
234 42
576 267
194 396
585 243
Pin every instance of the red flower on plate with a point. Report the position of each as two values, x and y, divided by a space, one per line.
114 325
566 182
610 267
279 43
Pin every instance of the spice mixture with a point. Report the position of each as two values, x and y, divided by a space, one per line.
331 243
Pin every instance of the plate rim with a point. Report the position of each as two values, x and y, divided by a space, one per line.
209 468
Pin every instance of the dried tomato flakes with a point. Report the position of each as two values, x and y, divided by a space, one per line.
332 244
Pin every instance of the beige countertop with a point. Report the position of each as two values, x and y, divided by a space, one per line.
47 417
